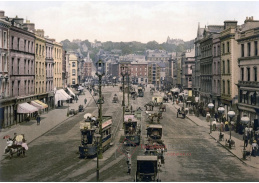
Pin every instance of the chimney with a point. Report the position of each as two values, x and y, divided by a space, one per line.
18 20
30 26
1 13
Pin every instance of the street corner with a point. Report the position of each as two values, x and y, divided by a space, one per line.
124 150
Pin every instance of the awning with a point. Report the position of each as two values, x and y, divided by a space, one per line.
70 91
61 95
35 104
26 108
42 104
80 88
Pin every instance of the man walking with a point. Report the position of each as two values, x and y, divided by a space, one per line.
38 119
128 162
85 100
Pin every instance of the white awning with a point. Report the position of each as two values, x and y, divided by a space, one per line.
80 88
26 108
70 91
35 104
175 90
61 95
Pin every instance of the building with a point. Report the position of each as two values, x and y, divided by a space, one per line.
65 65
157 55
229 66
248 61
139 72
154 74
196 72
206 63
188 61
73 61
57 56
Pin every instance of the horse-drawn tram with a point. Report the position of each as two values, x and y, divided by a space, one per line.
89 128
132 130
147 169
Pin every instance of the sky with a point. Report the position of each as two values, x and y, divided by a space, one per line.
128 20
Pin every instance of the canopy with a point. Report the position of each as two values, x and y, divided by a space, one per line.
42 104
70 91
175 90
61 95
80 88
87 115
26 108
35 104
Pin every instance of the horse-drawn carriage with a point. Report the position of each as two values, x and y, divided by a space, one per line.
158 116
17 146
147 169
165 99
149 106
162 107
81 108
157 100
140 92
132 130
115 99
134 95
181 113
155 145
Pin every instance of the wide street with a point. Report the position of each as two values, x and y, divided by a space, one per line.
192 154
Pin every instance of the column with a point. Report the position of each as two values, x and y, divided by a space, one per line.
12 113
5 118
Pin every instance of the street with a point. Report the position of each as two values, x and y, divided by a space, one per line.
192 154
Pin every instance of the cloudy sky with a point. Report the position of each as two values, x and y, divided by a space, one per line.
128 20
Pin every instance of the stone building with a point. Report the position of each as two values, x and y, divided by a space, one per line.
65 62
206 63
248 61
139 72
73 61
196 71
229 66
157 55
154 74
57 56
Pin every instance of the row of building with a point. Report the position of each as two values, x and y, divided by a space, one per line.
32 67
223 67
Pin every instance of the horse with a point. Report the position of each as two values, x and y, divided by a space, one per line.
162 107
150 105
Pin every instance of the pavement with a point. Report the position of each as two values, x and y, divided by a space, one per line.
49 120
237 151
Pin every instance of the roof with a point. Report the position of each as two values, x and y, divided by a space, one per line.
155 126
146 158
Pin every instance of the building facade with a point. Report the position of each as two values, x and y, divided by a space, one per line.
57 56
73 61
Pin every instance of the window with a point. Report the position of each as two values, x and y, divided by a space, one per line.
18 88
218 51
36 49
215 51
223 48
228 87
18 44
256 48
12 39
73 81
255 73
40 51
248 49
12 65
5 39
12 88
242 50
248 74
24 66
32 47
18 71
228 47
24 45
223 65
28 67
73 72
73 64
228 66
223 85
242 74
29 46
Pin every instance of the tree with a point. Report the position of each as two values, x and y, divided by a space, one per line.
152 45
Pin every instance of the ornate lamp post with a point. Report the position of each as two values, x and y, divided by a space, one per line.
128 74
97 138
124 72
231 114
221 110
210 106
244 120
100 74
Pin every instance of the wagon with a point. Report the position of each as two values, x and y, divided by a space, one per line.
147 169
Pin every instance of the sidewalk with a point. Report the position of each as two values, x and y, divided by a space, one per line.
239 143
48 121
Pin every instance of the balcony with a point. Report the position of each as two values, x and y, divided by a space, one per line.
248 83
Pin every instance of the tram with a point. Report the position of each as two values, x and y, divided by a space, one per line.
132 130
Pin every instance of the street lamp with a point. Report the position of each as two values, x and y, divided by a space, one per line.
221 110
231 114
100 74
124 72
128 74
244 120
210 106
97 138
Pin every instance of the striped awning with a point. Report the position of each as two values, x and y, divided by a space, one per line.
42 104
26 108
35 104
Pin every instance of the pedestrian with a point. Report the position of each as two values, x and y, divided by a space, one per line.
208 117
38 119
254 148
246 139
216 116
128 162
76 99
214 125
85 100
